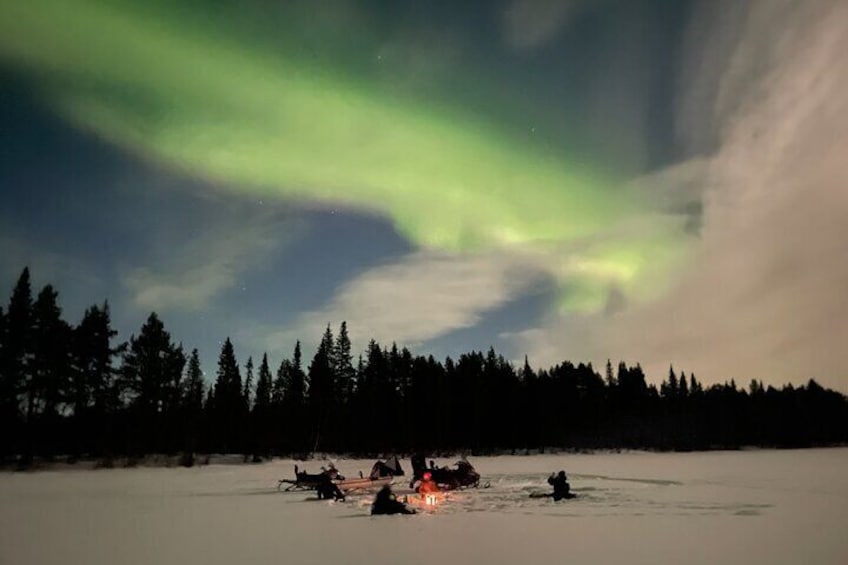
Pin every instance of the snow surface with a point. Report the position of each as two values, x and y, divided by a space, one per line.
717 507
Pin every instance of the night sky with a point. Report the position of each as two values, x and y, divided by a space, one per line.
658 181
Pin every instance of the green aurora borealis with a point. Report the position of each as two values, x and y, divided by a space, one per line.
196 95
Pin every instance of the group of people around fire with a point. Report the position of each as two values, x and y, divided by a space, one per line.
387 503
424 485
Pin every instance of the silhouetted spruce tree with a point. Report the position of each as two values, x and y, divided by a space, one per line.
343 364
450 404
591 409
51 363
2 344
695 387
249 443
263 386
421 425
321 396
468 407
194 387
373 399
192 403
668 388
358 409
50 372
228 401
15 364
6 412
345 384
17 346
399 368
281 419
94 394
633 394
505 407
280 383
247 391
261 414
490 390
402 363
611 381
298 427
295 400
151 375
529 421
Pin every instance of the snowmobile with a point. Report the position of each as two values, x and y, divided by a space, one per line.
464 475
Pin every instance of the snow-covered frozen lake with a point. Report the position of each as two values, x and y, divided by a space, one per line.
767 507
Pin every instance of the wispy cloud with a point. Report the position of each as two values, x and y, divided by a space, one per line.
207 264
765 295
420 297
529 24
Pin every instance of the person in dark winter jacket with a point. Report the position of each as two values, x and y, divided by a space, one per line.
327 489
386 503
561 487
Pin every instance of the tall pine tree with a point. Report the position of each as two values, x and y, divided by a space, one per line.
193 389
321 394
262 428
262 401
294 403
94 394
228 401
51 363
192 405
17 347
151 374
343 365
247 391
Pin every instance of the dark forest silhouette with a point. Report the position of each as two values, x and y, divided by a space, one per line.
72 390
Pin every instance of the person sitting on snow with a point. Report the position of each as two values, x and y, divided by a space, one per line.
386 503
561 487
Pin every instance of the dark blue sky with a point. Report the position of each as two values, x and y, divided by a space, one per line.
98 200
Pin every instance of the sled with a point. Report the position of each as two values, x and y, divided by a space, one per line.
365 483
306 481
345 485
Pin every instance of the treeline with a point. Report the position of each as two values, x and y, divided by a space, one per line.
73 390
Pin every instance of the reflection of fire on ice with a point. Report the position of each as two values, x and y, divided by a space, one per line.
427 501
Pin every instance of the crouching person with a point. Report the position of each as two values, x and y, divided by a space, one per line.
386 503
327 489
